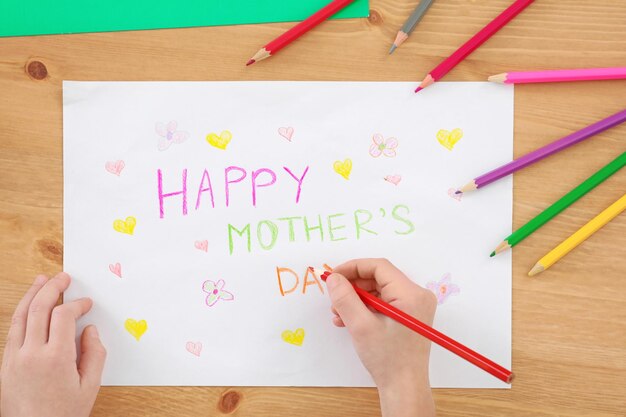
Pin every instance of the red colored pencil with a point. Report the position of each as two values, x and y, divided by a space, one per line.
428 332
299 30
477 40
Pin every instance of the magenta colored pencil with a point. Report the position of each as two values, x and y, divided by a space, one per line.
551 76
539 154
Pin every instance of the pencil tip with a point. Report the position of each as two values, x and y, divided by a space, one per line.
418 89
252 61
393 48
311 269
458 192
537 269
492 254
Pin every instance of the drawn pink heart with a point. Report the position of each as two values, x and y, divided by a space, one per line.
394 179
452 194
202 245
195 348
286 132
115 167
116 269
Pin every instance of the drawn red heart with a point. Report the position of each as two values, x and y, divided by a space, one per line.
202 245
116 269
195 348
286 132
115 167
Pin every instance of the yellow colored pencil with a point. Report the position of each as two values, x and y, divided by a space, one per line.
579 236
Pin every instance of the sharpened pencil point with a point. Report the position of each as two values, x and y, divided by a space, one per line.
252 61
418 89
492 254
537 269
393 48
458 192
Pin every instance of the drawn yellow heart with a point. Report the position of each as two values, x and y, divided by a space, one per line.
136 328
449 139
221 141
295 338
343 168
125 226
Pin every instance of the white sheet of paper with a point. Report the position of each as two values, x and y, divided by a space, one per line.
158 273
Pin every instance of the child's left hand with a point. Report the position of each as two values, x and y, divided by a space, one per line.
40 375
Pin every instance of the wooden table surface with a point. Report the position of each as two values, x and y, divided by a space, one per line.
569 343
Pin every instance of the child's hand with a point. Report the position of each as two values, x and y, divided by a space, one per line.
40 376
396 357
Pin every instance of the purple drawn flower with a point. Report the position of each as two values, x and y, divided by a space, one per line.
169 134
216 292
443 288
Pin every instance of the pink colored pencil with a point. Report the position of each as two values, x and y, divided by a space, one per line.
478 39
554 76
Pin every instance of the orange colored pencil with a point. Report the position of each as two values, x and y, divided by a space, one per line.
298 30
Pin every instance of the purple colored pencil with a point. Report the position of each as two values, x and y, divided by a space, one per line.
539 154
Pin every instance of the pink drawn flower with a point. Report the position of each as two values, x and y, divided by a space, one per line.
382 146
216 292
169 134
444 288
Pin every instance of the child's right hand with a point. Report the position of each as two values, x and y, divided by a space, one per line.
396 357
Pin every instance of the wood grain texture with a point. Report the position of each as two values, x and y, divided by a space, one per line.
568 324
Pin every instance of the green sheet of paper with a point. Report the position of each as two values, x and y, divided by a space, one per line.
40 17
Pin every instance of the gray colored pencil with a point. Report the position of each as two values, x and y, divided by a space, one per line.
411 23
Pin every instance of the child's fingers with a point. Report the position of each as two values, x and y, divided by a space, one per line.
41 307
92 357
17 332
348 305
338 322
392 284
63 323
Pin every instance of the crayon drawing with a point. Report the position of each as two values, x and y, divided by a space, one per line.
169 134
393 179
294 338
202 245
216 292
136 328
452 193
443 288
125 226
343 168
449 139
204 278
115 167
382 146
195 348
116 269
220 141
286 132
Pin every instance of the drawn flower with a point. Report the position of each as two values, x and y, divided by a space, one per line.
443 288
382 146
216 292
168 134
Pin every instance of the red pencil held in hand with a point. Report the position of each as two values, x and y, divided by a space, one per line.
428 332
299 30
476 40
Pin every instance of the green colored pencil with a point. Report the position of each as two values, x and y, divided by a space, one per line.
561 204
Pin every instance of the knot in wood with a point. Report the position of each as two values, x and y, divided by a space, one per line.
36 70
375 18
51 250
229 401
